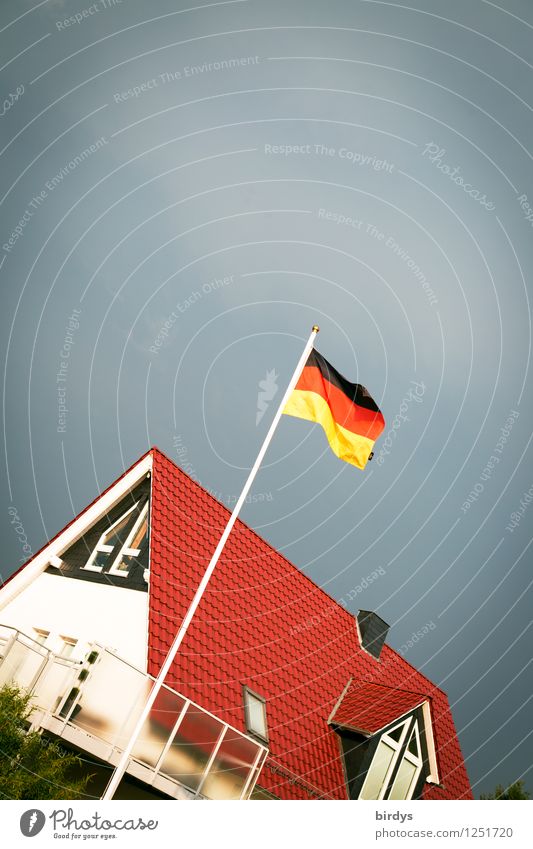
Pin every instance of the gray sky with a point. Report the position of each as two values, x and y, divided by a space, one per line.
184 192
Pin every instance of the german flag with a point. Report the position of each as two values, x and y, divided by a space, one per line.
351 419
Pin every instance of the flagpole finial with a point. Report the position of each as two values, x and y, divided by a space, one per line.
316 328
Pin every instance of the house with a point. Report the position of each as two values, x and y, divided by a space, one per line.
277 692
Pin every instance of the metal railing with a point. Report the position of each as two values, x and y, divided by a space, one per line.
103 696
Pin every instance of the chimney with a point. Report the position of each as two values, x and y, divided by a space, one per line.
372 632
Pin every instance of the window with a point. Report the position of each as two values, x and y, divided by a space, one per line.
255 714
124 538
409 768
132 547
396 764
41 636
379 769
67 649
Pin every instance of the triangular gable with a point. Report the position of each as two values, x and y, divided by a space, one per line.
42 601
50 554
104 552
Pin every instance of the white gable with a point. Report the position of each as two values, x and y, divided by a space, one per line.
77 610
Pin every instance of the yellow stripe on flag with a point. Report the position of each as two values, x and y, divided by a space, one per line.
348 446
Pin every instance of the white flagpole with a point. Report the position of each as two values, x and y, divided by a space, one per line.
158 683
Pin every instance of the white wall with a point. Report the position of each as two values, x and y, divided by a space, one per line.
113 616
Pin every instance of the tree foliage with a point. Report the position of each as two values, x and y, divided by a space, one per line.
516 790
33 766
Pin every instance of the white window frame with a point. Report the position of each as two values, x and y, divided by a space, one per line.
103 548
414 760
433 777
249 694
41 635
409 728
393 744
126 550
67 641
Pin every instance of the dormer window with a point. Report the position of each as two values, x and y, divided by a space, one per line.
386 737
121 543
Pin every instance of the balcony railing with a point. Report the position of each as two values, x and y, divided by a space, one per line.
103 696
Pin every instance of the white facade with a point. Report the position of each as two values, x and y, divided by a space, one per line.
82 611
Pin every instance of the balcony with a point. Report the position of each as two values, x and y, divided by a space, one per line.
183 751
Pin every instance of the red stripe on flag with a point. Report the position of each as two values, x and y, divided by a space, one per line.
345 411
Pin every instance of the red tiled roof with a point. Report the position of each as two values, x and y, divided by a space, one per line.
263 623
368 707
